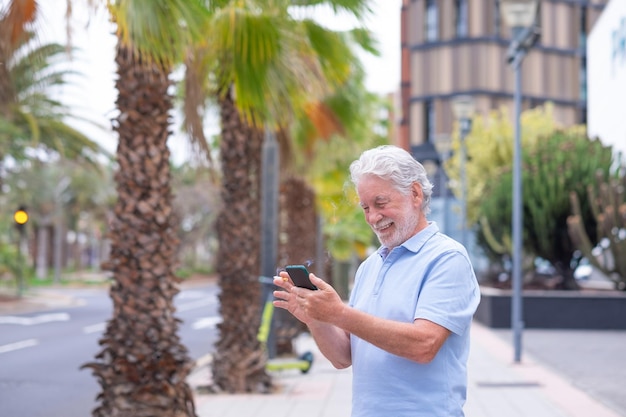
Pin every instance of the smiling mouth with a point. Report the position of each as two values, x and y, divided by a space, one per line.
383 227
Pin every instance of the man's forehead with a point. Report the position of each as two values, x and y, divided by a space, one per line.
379 197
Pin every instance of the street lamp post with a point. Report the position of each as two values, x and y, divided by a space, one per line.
463 109
269 222
59 190
443 146
520 16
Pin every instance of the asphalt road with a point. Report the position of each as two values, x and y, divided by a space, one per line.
41 353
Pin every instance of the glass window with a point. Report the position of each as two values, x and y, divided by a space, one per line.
582 45
432 21
461 18
582 31
429 121
496 17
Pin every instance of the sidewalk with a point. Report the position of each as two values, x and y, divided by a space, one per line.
499 387
39 299
322 392
496 388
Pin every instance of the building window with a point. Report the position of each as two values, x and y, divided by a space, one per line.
429 121
432 21
582 45
496 17
461 18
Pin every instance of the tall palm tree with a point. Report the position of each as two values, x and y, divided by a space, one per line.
364 118
265 65
343 122
344 117
143 365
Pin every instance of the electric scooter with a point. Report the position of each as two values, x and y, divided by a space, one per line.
302 362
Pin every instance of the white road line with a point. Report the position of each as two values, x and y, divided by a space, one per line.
95 328
191 294
29 321
18 345
206 322
198 324
196 304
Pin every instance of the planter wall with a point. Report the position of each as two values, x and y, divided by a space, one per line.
553 309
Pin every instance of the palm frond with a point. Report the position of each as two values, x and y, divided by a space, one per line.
159 30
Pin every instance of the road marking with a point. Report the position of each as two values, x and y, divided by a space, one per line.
193 294
29 321
18 345
196 304
95 328
198 324
206 322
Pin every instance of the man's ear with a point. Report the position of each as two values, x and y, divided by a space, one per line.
416 191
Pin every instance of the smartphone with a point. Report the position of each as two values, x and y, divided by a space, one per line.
300 276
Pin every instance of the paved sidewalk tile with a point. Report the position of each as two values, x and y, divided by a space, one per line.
322 392
499 387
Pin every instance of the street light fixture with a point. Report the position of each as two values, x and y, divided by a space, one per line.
463 109
520 16
519 13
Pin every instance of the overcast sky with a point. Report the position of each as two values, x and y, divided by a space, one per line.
95 93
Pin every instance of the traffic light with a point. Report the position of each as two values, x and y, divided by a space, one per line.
21 218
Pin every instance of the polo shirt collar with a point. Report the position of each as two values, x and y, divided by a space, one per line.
414 243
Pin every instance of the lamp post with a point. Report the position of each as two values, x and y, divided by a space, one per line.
520 16
443 146
463 109
269 221
59 240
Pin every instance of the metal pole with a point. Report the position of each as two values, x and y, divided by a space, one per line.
21 285
517 323
465 128
269 222
443 179
59 240
58 245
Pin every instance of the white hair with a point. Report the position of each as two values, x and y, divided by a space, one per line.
395 165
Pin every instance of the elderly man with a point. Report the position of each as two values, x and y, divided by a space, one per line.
405 330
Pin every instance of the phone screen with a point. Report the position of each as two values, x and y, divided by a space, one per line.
300 276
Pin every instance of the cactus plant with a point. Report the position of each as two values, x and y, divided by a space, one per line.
560 163
607 199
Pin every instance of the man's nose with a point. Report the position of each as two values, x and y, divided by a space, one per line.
373 216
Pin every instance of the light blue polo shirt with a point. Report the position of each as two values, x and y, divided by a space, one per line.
430 277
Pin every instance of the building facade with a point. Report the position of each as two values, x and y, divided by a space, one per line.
606 77
458 47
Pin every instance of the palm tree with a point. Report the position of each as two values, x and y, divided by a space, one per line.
323 140
265 66
196 205
58 193
32 121
30 118
143 365
328 171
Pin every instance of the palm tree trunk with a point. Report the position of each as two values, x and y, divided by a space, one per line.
298 245
143 366
239 362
